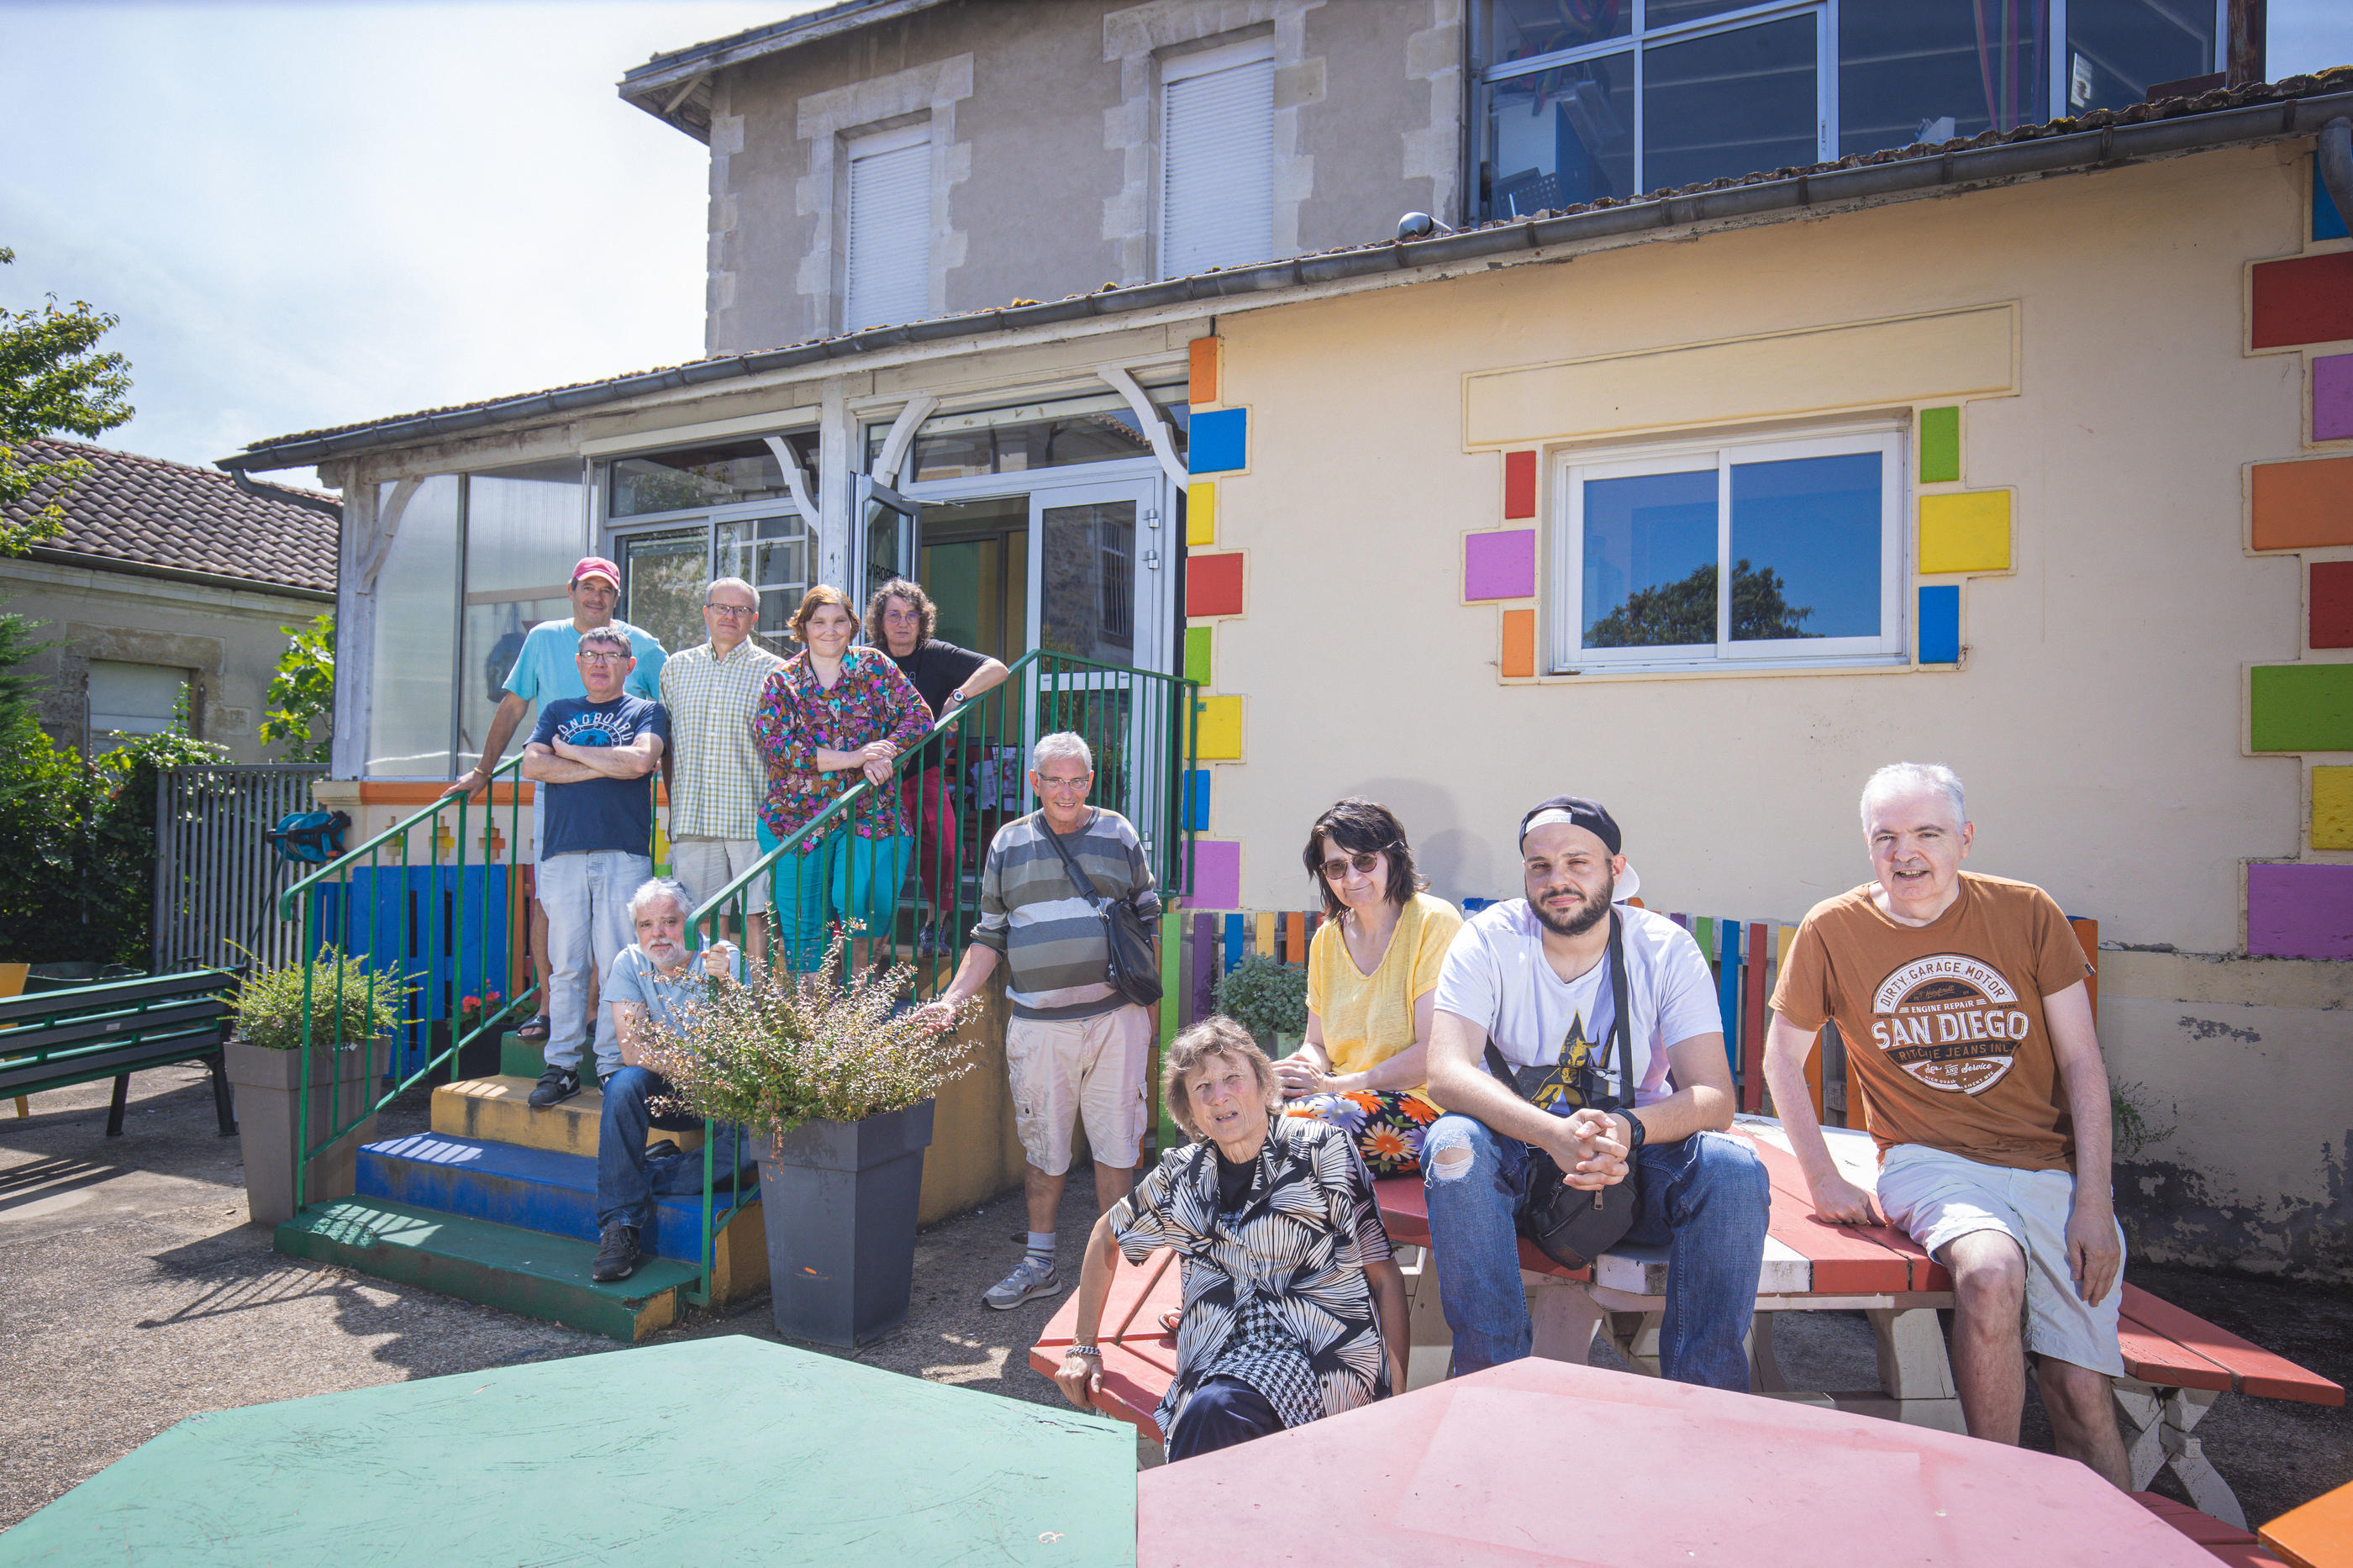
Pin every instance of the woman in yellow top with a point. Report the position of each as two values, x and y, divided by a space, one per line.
1372 972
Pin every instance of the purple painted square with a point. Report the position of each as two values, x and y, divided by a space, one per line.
2332 397
2300 911
1500 565
1217 875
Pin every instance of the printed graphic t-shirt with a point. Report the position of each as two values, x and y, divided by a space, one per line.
1944 1022
1368 1018
599 814
1496 976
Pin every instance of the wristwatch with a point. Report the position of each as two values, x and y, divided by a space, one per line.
955 698
1638 1135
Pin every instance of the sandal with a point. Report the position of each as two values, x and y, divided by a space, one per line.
537 1029
1169 1319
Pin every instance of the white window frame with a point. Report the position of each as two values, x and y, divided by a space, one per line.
1200 62
871 145
1567 620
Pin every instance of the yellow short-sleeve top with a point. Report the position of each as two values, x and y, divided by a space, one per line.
1368 1018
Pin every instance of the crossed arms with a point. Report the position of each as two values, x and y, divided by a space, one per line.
564 763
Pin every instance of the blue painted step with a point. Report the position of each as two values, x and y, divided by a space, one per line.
533 1189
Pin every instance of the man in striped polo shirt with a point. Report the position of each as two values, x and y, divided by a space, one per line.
1074 1048
716 789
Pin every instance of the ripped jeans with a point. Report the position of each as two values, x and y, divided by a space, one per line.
1704 1197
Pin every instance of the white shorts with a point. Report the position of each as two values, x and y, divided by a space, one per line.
1938 1197
704 865
1091 1068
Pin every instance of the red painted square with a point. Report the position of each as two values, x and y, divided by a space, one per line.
1519 484
2332 603
1213 584
2306 300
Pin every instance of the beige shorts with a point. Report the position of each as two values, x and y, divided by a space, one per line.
704 865
1937 1198
1093 1068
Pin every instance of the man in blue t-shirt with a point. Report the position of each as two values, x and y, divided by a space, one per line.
543 671
594 757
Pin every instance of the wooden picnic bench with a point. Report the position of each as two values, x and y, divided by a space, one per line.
51 1039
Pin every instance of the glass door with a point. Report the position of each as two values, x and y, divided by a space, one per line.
663 574
889 539
773 553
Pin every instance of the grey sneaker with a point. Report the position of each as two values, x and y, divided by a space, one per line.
1028 1280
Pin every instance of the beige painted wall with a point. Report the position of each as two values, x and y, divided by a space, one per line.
2097 719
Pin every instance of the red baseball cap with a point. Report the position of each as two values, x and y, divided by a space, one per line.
597 566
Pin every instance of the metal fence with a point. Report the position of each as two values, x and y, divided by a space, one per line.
216 877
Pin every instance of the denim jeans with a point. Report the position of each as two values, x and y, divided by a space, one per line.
1704 1197
629 1178
586 897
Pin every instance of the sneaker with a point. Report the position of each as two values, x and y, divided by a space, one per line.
556 1085
617 1253
1028 1280
927 941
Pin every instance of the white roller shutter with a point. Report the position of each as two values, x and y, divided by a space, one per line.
1216 158
889 252
134 699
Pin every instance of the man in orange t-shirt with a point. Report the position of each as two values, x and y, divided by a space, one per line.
1962 1002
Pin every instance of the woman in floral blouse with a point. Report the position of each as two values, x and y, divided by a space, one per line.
1293 1308
831 715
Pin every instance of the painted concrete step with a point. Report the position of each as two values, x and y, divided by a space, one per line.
497 1111
536 1189
526 1271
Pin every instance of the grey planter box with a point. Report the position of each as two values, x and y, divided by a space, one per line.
269 1089
839 1200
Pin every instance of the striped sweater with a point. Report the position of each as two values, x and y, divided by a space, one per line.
1051 936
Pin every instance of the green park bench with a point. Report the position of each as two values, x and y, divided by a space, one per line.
55 1038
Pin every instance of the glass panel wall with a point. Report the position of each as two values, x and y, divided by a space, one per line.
773 555
721 473
1026 436
2118 49
662 576
412 666
1732 103
1929 70
523 533
1087 581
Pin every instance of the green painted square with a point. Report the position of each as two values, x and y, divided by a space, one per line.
1197 653
1940 446
2300 708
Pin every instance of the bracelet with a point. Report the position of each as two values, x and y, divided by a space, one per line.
1094 1351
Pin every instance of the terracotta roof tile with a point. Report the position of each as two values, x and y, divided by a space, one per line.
156 513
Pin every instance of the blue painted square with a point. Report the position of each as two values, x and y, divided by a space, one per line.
2328 223
1197 800
1940 624
1220 441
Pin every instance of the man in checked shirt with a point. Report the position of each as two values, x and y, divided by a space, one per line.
719 778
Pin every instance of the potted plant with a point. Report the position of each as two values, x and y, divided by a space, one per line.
1269 998
835 1083
353 1013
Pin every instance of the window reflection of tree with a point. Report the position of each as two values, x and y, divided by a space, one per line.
1683 612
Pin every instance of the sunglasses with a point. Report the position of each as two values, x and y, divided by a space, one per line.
1340 865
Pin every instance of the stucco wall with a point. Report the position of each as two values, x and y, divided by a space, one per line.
1043 164
228 639
2098 716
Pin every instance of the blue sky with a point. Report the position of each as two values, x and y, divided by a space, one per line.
309 215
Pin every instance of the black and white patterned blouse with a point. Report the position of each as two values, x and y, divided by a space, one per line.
1274 1291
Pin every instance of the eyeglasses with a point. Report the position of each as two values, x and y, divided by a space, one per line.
1339 865
1065 787
602 658
731 610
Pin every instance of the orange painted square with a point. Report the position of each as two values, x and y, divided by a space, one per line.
1213 584
1519 643
1519 484
1202 370
2301 506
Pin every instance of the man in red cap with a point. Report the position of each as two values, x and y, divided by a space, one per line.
546 669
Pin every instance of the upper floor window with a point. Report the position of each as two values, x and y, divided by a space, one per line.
888 264
1217 158
1753 553
1585 98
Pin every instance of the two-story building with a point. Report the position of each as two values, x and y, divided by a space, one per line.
1806 386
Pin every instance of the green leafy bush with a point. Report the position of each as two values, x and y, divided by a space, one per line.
781 1050
1266 996
301 716
348 1002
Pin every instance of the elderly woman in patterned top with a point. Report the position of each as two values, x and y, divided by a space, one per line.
830 717
1293 1308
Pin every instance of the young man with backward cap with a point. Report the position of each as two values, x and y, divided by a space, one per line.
1962 1003
1534 977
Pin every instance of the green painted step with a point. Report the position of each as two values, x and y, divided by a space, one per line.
525 1272
519 1057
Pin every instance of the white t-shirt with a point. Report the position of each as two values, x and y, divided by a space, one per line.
1497 977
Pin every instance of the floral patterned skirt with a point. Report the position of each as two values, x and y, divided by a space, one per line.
1387 1124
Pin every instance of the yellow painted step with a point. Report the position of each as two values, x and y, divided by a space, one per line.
498 1111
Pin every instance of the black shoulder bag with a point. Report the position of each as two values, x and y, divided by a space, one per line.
1568 1225
1131 972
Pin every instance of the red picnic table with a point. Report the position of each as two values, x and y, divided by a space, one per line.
1540 1461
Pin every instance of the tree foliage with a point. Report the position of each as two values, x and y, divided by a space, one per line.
1684 612
52 379
301 698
